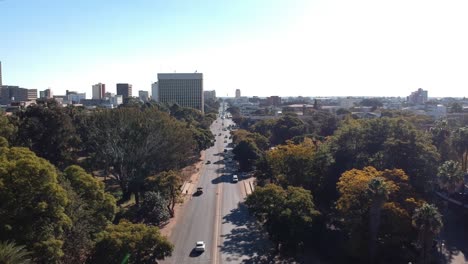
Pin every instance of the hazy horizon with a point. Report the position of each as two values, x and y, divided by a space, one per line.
286 48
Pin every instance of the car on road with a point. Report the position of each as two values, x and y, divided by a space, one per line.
225 136
235 178
199 191
200 246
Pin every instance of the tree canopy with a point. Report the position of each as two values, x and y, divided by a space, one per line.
32 211
138 243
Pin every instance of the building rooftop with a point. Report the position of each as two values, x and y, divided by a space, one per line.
179 76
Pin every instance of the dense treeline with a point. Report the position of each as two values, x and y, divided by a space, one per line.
54 209
368 184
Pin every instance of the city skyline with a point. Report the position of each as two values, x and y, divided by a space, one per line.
296 48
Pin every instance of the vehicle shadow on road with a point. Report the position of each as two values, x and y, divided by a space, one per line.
223 178
246 240
194 253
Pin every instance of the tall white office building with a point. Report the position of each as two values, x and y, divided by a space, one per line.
185 89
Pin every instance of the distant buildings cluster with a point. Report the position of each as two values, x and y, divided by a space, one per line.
185 89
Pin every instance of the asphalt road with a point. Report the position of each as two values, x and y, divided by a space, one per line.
216 216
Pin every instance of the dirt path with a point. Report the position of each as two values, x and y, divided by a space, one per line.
191 175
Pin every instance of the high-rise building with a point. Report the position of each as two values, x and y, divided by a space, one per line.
9 93
124 89
238 94
1 83
143 95
418 97
273 100
185 89
154 91
209 95
99 90
46 94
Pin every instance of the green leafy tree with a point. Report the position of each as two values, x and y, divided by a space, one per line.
286 128
91 190
460 144
442 139
450 176
384 143
154 208
167 183
287 215
138 243
49 132
10 253
7 128
134 144
32 211
246 152
90 208
428 221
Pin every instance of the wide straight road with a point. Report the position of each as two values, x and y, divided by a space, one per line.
216 216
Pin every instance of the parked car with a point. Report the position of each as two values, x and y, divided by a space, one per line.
208 162
235 178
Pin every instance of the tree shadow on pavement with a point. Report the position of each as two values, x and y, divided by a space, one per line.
453 236
246 240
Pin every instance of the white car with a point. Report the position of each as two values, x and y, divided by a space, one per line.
200 246
235 179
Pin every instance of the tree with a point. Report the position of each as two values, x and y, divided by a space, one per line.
91 209
376 208
168 183
384 143
287 215
292 164
32 211
138 243
92 192
7 128
460 144
456 108
134 144
49 132
372 102
154 208
10 253
450 176
378 191
442 139
286 128
428 221
246 152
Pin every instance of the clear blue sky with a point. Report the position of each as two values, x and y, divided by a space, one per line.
295 47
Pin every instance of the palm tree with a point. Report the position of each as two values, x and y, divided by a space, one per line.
378 191
428 221
450 176
10 253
